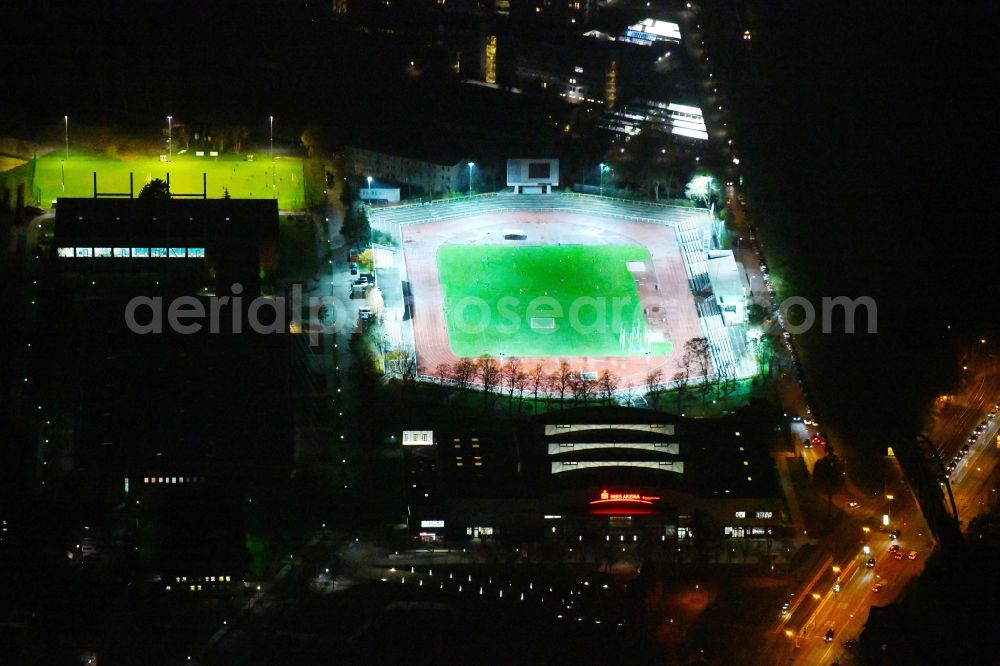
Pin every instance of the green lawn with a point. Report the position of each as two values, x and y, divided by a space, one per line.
245 180
492 293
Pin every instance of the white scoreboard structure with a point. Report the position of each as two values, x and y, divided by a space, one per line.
532 176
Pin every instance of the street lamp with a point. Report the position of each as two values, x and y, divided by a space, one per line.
271 120
471 164
602 167
66 125
170 138
371 231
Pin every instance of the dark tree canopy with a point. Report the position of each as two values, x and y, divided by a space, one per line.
154 190
356 227
829 477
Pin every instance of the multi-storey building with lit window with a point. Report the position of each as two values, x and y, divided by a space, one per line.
436 171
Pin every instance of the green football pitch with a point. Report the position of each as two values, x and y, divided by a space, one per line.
244 180
544 300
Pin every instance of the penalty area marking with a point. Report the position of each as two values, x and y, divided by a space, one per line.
543 322
637 266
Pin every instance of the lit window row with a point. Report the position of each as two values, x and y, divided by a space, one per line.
740 532
132 252
204 579
661 465
760 515
476 531
172 479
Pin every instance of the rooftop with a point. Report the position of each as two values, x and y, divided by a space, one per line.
725 276
127 222
413 147
724 458
391 286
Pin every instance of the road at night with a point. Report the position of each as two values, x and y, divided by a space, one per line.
798 636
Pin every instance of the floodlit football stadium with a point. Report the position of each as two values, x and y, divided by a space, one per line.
599 283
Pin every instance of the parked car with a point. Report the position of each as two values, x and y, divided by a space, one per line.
354 268
828 637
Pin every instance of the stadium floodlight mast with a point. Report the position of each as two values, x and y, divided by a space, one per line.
274 185
170 138
471 165
62 163
602 167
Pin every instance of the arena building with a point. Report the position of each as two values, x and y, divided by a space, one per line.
593 474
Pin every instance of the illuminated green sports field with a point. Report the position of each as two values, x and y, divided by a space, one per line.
245 180
490 294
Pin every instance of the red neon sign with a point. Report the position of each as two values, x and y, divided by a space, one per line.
624 498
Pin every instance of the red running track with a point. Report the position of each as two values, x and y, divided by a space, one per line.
667 287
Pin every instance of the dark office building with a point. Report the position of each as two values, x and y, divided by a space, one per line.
175 417
203 242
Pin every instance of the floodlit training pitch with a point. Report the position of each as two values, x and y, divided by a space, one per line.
545 300
243 179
